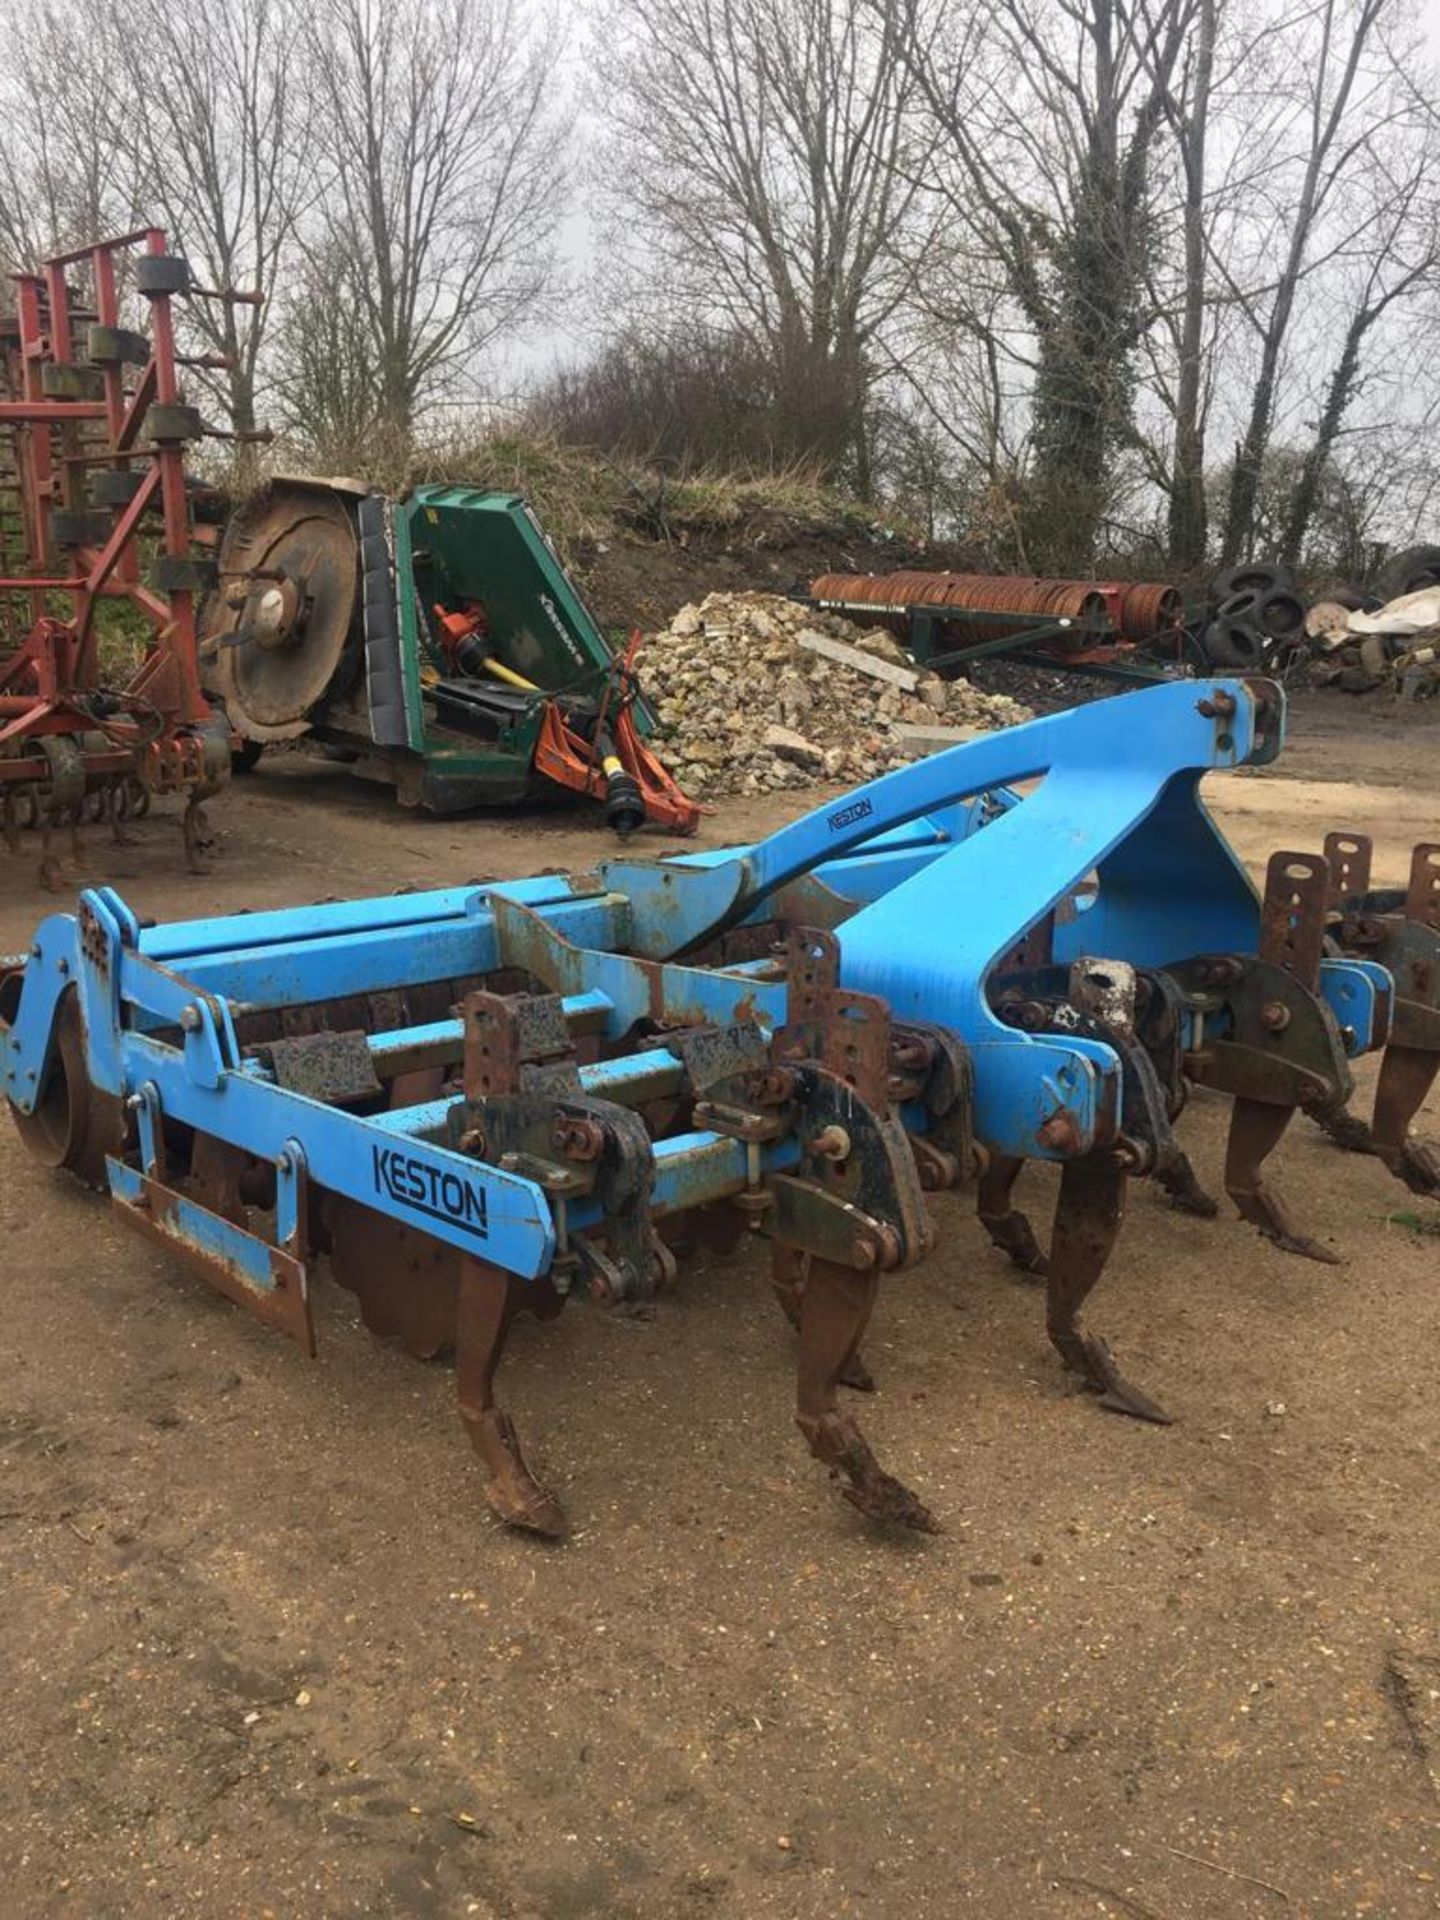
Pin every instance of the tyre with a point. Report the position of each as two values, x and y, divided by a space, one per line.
1228 644
246 757
1408 572
1242 605
1257 576
1279 615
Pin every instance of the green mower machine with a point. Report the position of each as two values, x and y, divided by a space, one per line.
435 643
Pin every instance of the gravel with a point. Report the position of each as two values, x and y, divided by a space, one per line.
744 706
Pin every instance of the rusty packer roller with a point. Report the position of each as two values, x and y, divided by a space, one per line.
1092 612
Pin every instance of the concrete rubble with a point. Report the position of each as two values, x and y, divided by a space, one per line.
753 692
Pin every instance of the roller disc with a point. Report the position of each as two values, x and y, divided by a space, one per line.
295 629
73 1124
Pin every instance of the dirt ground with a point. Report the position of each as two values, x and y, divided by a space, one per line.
265 1653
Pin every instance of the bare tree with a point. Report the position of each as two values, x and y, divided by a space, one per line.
1050 111
1187 109
769 147
1346 97
214 127
324 378
1396 258
60 182
442 181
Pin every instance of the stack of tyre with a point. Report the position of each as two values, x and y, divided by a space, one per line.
1258 616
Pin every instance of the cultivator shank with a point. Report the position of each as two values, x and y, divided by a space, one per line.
1400 931
491 1100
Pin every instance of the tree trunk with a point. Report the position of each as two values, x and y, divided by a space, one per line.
1332 415
1188 521
1325 127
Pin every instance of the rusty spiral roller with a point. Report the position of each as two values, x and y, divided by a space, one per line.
1138 611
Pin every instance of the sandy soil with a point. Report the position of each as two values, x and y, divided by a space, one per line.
265 1654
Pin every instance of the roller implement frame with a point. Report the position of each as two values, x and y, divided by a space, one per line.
485 1100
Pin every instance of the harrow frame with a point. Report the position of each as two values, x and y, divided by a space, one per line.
99 429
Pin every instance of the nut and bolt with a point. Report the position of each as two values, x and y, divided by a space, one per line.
578 1139
831 1143
1060 1133
1218 706
190 1019
1274 1016
776 1086
910 1053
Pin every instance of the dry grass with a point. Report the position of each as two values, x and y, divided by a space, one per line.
583 495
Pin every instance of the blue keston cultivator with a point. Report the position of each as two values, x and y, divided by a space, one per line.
481 1101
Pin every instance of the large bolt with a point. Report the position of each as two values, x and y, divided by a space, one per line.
1274 1016
1060 1133
578 1138
831 1143
777 1085
1217 706
190 1019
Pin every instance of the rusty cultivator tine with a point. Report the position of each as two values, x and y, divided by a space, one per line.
1278 1045
833 1304
1009 1229
488 1302
1087 1224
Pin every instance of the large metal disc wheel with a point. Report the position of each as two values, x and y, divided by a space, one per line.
290 560
73 1125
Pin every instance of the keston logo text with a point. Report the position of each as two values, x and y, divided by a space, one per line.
444 1196
847 816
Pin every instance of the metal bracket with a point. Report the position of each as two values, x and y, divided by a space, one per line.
1292 914
336 1068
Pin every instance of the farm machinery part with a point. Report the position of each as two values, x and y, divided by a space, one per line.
1400 929
484 1101
437 644
949 621
98 429
1128 631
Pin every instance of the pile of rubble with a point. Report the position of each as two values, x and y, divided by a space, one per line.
753 692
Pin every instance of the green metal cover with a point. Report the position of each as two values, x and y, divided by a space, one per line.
456 544
472 545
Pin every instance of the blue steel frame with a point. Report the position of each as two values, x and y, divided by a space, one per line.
950 868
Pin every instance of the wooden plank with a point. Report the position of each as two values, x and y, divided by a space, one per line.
918 739
903 677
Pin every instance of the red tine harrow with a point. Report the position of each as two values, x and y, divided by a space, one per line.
98 430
